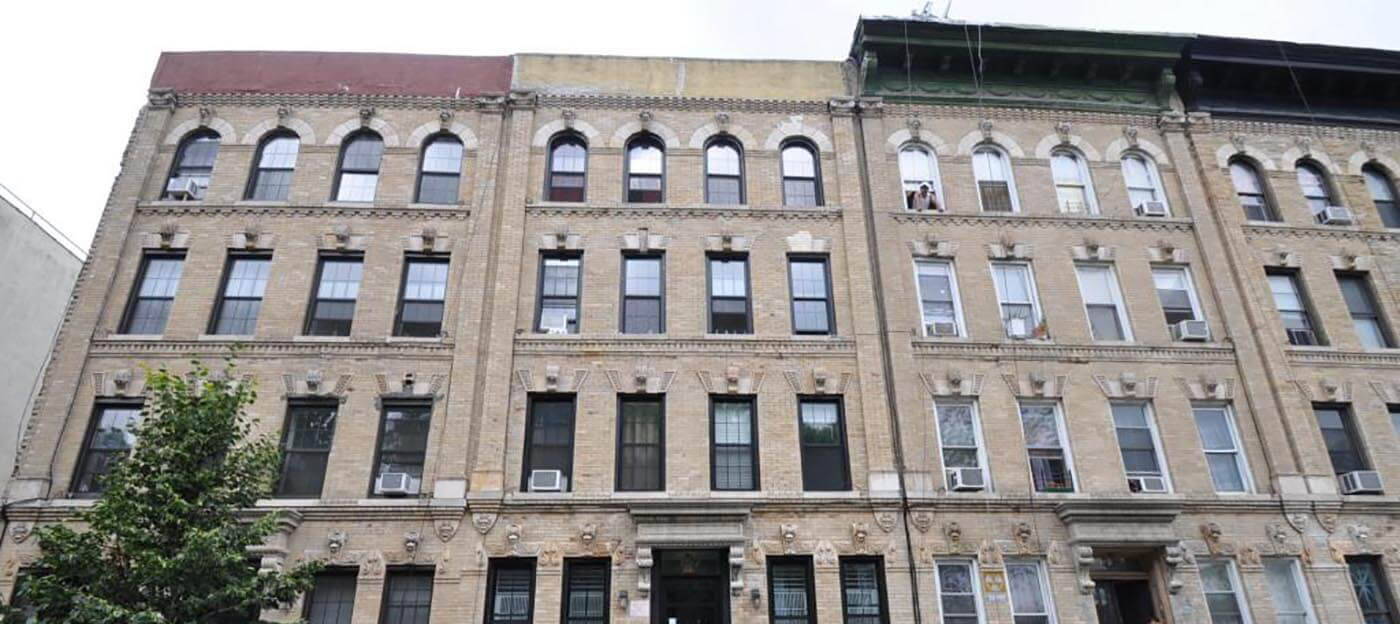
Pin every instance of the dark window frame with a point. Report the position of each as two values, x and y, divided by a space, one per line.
384 408
177 166
554 143
84 452
840 403
539 288
340 169
805 561
331 571
829 300
424 258
221 297
292 405
1389 218
570 563
493 568
656 142
135 298
321 261
754 456
710 291
1377 312
402 571
1328 187
732 141
660 297
1305 298
1351 428
879 581
1382 583
1266 194
250 189
423 173
660 400
527 459
819 198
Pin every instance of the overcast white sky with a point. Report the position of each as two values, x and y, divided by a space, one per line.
84 71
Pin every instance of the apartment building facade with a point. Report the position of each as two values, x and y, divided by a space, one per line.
984 324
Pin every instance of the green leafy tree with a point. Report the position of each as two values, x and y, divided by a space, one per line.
168 540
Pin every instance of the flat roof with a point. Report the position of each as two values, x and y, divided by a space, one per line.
353 73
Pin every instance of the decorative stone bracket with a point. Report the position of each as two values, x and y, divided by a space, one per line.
1037 385
252 237
1008 250
1389 391
727 242
410 385
1280 257
645 561
954 382
1167 253
118 383
1127 386
562 241
736 570
643 240
642 379
1327 390
734 380
168 236
1353 262
804 242
822 382
429 240
554 379
931 247
1205 388
314 384
341 238
1093 251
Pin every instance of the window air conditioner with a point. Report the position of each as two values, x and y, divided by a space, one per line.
1334 215
1302 337
1152 209
1018 328
1191 331
1147 484
941 328
1072 207
396 484
182 189
966 479
1361 482
546 481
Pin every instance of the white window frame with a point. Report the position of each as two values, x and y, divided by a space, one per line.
1086 181
977 437
935 185
1153 176
1300 586
1007 170
1114 291
958 318
1236 587
1062 429
1196 312
1241 460
976 586
1151 416
1037 315
1043 576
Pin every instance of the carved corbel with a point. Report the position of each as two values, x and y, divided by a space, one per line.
986 127
1083 568
1062 130
514 534
335 542
736 570
788 534
206 115
366 114
569 117
644 564
445 118
914 125
284 114
1174 556
1130 134
411 540
722 121
483 521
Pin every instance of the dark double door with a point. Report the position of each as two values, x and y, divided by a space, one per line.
690 587
1124 602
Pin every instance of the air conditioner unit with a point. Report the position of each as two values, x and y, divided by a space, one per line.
396 484
941 328
1361 482
182 189
1018 328
1152 209
1191 331
546 481
1147 484
1072 207
1302 337
966 479
1334 215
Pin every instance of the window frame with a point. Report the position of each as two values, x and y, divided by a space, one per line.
409 260
829 300
710 296
634 140
1377 315
1241 459
384 408
177 166
1006 169
339 572
527 455
641 397
1382 583
1351 428
976 575
1309 313
839 401
404 571
1268 206
800 142
805 561
754 456
1149 414
660 297
1115 292
250 192
1236 587
958 318
1154 177
292 406
221 296
880 584
1062 431
1086 180
1038 313
570 566
493 569
1197 313
978 438
935 185
555 142
1299 582
1047 594
545 256
321 260
340 169
1390 219
423 172
1329 195
128 314
733 142
85 452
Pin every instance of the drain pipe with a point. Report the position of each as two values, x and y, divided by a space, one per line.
871 240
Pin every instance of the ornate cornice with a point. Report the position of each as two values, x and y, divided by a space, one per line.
319 211
542 345
706 104
1043 221
271 349
1071 353
1290 231
897 110
674 211
1330 131
484 103
1358 359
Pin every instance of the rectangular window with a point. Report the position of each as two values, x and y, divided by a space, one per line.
938 298
1371 329
403 445
790 588
960 440
109 440
1371 587
333 303
863 591
1108 317
729 295
1222 589
1030 593
421 300
1394 417
1020 307
332 599
734 451
1047 447
643 289
1138 445
641 444
1342 439
958 598
586 591
560 278
510 591
1293 308
1292 605
1221 442
811 295
156 284
240 299
1176 294
549 439
408 597
306 445
823 439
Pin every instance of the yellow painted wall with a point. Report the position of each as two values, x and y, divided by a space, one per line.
656 76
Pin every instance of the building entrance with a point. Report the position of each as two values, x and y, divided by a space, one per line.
1123 589
690 587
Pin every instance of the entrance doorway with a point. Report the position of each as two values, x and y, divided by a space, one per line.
691 587
1123 586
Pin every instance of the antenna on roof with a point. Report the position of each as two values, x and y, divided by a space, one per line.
924 13
947 9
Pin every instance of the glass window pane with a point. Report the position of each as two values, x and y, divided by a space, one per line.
915 166
644 157
798 162
443 155
729 277
790 597
988 165
357 187
279 153
162 277
332 599
1065 168
643 277
808 278
1027 597
569 156
363 153
955 425
340 279
560 277
1040 426
1245 178
722 159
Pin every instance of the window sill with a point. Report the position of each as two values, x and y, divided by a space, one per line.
1317 348
175 202
320 338
413 339
256 203
349 204
225 338
661 495
831 494
423 206
135 337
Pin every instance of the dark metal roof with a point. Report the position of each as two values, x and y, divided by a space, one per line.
332 72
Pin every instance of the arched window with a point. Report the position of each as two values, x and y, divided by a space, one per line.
801 174
1074 189
1249 187
918 168
568 166
194 163
995 187
646 169
1383 194
441 173
724 172
1143 181
272 170
359 167
1314 185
